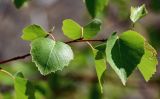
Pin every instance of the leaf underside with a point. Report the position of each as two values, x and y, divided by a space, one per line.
50 56
138 13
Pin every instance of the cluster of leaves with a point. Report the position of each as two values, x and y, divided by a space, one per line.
23 87
123 52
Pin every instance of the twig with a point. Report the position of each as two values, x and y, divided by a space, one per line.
28 54
79 40
15 58
52 37
7 73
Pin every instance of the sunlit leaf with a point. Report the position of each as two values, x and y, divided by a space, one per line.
124 53
33 32
138 13
149 61
23 88
72 29
50 56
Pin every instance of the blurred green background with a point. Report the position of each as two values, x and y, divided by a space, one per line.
78 80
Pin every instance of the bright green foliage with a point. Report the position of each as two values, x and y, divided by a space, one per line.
100 64
96 7
149 61
50 56
33 32
91 29
23 88
19 3
124 53
138 13
72 29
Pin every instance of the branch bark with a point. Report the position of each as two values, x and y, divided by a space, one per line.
28 54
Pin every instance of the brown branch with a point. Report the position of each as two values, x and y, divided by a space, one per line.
80 40
15 58
28 54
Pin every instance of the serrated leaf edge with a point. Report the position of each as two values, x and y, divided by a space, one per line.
43 73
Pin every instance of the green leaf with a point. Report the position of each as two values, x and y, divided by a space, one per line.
33 32
101 47
96 7
19 74
149 61
92 28
72 29
50 56
100 65
138 13
101 51
124 53
19 3
23 88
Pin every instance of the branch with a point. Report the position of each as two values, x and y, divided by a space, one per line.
80 40
15 58
28 54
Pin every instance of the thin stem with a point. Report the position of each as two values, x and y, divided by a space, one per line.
52 37
15 58
50 33
68 42
52 29
90 45
82 32
132 26
7 73
79 40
